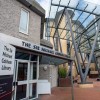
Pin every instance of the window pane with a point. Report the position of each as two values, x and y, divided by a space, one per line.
33 57
33 72
22 71
22 55
23 21
32 91
21 92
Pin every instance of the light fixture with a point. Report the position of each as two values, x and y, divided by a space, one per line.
45 68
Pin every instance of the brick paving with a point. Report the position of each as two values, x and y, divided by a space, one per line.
64 93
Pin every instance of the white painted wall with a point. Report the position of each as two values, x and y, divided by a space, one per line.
43 87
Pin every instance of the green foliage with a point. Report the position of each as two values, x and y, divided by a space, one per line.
62 72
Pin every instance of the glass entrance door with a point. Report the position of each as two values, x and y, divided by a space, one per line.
33 80
21 80
26 80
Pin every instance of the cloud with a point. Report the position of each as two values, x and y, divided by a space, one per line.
45 4
94 1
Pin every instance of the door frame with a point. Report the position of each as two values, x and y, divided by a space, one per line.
28 81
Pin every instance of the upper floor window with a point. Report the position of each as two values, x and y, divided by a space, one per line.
24 21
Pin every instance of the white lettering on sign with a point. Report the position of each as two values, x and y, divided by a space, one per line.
7 57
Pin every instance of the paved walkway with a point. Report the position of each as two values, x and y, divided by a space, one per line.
60 93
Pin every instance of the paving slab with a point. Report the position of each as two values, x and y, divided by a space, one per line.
64 93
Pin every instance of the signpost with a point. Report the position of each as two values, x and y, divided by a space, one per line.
7 56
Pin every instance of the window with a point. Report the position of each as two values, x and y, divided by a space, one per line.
56 43
24 20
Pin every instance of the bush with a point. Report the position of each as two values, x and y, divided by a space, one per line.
62 72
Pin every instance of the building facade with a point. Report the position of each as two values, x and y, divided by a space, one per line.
35 63
22 20
63 43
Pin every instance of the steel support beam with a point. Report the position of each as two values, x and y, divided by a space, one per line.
75 47
82 57
60 38
63 29
77 20
76 67
59 21
91 54
85 19
76 9
91 48
72 89
87 28
55 16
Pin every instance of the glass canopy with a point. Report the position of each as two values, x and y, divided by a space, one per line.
84 19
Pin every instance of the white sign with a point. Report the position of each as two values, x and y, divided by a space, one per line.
7 57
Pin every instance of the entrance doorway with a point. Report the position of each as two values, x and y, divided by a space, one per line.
25 80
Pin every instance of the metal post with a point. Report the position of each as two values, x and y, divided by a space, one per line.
76 67
72 89
96 68
92 51
82 57
75 47
93 54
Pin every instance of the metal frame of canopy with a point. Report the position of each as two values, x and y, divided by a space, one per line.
87 19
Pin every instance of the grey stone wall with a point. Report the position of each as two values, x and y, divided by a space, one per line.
10 11
51 74
54 76
44 74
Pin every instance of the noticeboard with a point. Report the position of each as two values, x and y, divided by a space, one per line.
6 87
7 57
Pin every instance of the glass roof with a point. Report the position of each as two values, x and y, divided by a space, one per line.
84 18
79 5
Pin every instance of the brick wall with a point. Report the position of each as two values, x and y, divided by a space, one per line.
51 74
10 11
